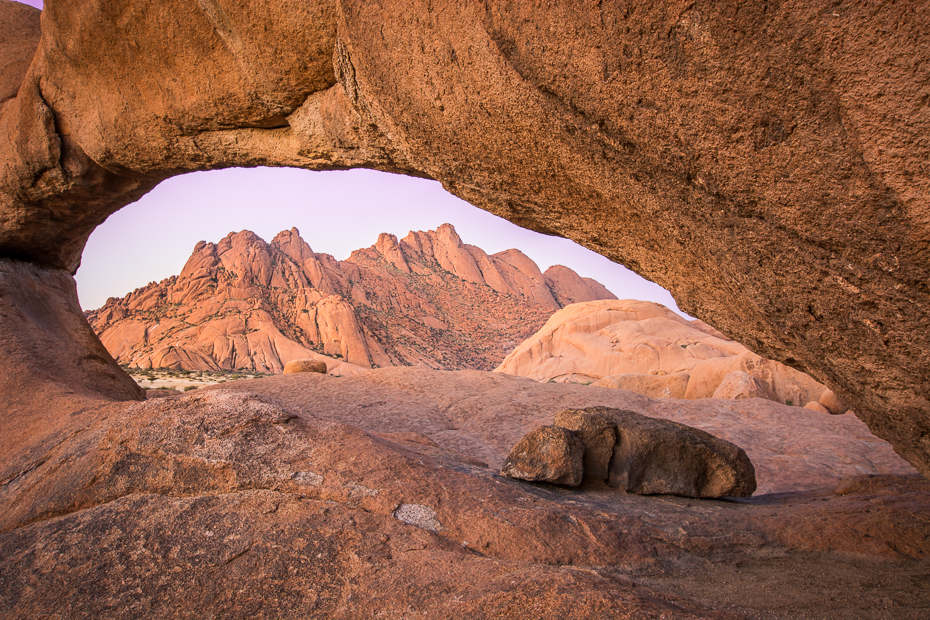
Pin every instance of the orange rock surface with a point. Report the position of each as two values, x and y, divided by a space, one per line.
647 348
428 300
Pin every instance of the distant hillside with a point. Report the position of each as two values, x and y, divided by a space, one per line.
426 300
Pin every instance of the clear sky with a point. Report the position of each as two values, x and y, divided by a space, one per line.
336 212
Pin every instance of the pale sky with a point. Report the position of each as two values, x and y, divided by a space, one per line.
336 212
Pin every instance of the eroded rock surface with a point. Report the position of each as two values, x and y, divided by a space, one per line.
547 454
310 494
654 456
304 365
645 347
428 299
765 164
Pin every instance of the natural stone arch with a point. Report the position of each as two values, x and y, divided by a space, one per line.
766 164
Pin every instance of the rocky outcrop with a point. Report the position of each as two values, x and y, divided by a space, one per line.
674 385
739 384
52 354
767 166
246 304
304 365
313 495
646 348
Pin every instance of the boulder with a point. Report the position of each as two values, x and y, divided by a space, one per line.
832 403
305 365
814 406
598 435
654 457
547 454
738 384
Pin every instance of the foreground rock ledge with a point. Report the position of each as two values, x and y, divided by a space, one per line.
767 164
309 495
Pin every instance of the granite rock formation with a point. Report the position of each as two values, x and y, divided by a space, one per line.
766 164
547 454
647 348
305 365
632 452
427 300
374 494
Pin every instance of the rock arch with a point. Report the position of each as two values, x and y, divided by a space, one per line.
767 164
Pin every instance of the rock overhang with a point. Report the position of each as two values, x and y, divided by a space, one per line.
766 166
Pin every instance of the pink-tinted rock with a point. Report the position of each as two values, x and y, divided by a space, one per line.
814 406
654 386
832 403
547 454
305 365
245 304
738 384
598 435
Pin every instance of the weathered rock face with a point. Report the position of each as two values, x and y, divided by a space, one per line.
646 456
659 456
547 454
246 304
304 365
645 347
598 435
310 495
18 45
765 164
739 384
48 346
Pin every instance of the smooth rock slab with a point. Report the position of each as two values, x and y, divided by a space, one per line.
547 454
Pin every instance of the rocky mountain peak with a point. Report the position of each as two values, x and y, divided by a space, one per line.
428 299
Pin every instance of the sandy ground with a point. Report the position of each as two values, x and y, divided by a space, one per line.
182 381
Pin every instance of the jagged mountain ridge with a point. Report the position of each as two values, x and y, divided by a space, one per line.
428 300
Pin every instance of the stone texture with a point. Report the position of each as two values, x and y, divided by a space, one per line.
547 454
739 384
305 365
673 385
598 435
832 403
647 348
663 457
314 495
816 407
50 352
766 165
19 39
246 304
